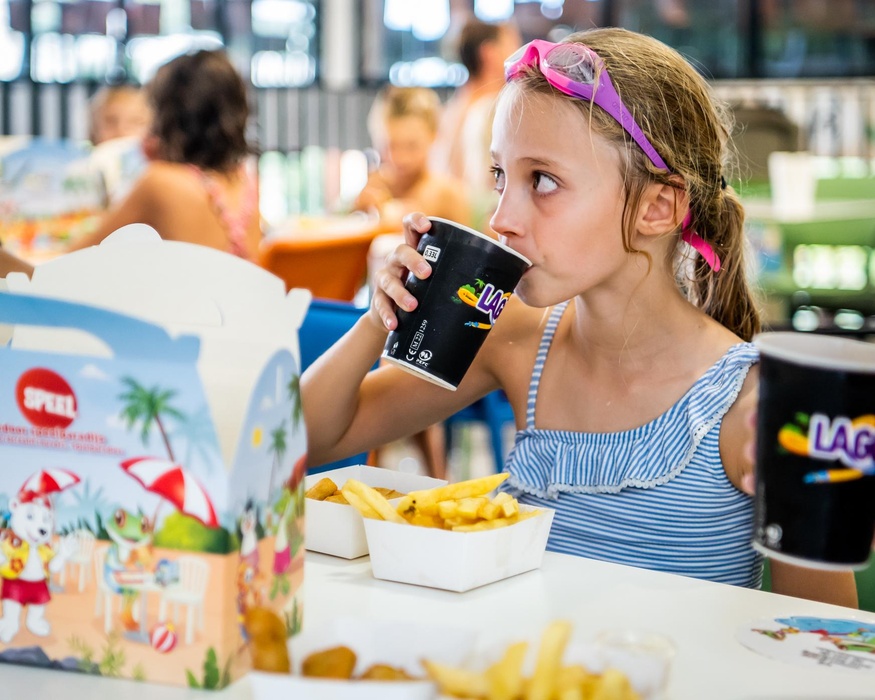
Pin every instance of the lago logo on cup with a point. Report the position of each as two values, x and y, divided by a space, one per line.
815 450
473 276
849 441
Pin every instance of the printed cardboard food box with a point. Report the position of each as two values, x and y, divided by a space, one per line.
151 474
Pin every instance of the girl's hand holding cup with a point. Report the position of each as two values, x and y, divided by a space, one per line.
390 293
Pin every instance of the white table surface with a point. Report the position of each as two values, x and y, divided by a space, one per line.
700 617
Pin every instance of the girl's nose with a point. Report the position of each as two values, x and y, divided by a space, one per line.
505 222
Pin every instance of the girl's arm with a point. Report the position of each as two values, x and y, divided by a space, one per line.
348 409
9 263
736 434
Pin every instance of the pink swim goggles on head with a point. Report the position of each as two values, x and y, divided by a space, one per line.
578 71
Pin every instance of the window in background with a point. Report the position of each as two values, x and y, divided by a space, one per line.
723 38
285 43
713 36
810 38
117 40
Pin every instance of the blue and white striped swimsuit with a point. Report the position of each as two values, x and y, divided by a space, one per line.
656 496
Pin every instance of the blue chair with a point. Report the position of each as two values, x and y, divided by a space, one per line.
493 409
326 321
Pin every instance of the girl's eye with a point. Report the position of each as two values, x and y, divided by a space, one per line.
498 174
544 184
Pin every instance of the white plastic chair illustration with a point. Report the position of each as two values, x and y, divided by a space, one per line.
104 594
82 558
189 591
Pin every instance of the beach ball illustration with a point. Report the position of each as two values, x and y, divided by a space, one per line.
163 637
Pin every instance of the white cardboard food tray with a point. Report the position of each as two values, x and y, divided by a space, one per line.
456 561
400 644
336 529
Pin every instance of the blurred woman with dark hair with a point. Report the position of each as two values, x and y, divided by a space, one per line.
198 186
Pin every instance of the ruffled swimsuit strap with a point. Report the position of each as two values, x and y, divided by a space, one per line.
235 225
543 348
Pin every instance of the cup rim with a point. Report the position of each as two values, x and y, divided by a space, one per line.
819 351
474 232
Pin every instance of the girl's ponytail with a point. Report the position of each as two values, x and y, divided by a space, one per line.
726 295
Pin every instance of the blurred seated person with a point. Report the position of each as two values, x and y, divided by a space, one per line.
118 111
119 120
465 129
197 186
403 126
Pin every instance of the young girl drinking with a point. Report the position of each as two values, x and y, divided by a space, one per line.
625 352
197 186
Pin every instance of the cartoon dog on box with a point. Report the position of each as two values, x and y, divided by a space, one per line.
26 562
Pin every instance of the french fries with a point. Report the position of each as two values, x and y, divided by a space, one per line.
462 507
373 498
550 680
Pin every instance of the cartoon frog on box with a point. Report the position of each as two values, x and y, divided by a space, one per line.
129 554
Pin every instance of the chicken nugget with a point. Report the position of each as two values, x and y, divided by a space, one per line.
264 625
383 672
321 490
338 498
337 662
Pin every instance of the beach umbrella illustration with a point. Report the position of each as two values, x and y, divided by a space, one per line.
173 483
48 481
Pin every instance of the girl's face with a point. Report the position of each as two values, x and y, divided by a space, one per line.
562 196
126 114
408 141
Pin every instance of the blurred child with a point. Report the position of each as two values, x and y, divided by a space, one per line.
118 111
197 186
625 352
403 125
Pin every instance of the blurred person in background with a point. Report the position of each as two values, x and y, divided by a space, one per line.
403 124
462 146
198 186
119 118
118 111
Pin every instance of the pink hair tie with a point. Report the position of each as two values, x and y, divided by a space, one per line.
700 244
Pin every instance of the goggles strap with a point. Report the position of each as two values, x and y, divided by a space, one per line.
701 246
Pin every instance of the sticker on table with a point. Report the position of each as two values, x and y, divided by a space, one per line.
814 641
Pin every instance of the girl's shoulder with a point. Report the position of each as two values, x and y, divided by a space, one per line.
162 173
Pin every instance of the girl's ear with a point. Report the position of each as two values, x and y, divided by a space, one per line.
662 209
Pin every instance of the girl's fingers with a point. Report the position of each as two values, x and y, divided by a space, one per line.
390 293
415 225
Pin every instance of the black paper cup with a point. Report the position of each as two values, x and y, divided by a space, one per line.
472 278
815 492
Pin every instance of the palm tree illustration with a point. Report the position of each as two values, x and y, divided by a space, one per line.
148 406
294 389
196 431
278 448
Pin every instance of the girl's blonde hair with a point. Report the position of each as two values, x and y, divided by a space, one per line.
397 102
674 107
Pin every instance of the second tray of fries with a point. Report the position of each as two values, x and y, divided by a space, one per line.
335 528
454 537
